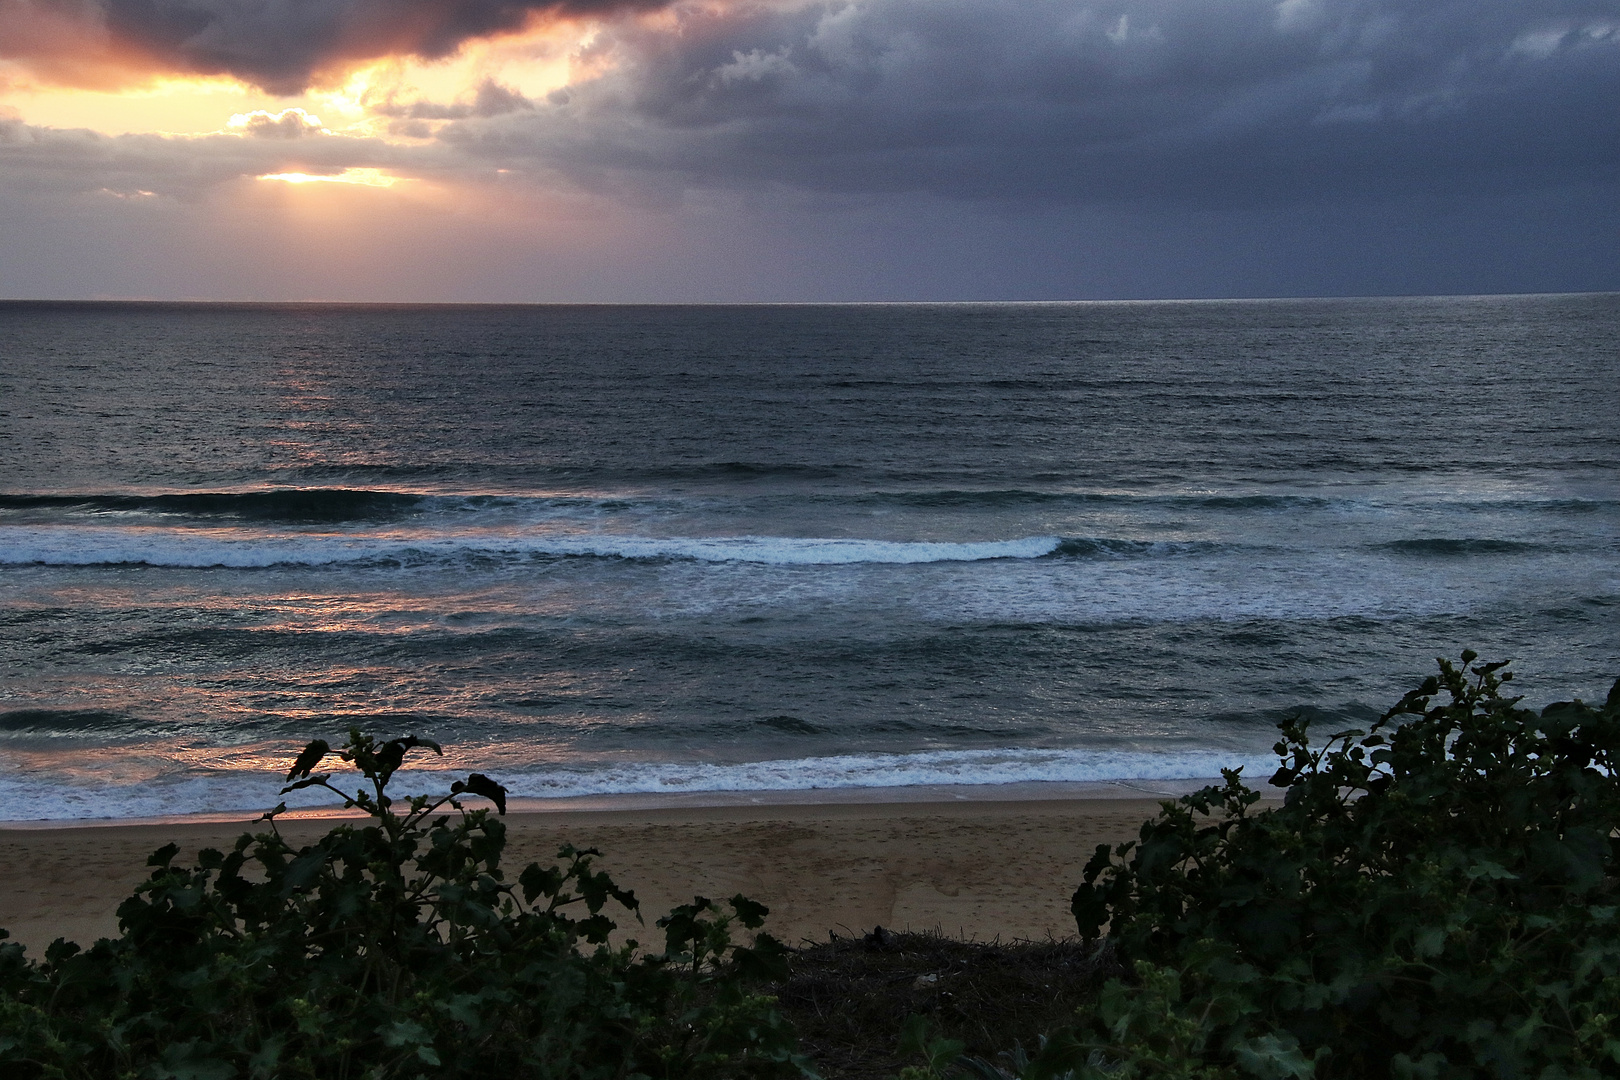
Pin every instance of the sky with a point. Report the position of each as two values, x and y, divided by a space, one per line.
785 150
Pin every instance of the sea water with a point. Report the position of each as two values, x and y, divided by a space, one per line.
606 550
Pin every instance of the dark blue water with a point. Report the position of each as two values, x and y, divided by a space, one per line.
608 549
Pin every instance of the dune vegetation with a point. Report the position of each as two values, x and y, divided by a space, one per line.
1434 897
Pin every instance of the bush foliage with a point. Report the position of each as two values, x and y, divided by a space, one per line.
397 948
1435 897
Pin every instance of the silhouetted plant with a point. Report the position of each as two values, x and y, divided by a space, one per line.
1436 897
396 948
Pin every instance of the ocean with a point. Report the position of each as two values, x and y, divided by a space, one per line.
603 550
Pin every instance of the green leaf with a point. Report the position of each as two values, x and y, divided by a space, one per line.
1274 1057
1431 1066
1090 910
750 913
1491 871
537 882
406 1033
263 1062
918 1039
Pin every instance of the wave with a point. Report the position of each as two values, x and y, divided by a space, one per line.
65 721
198 548
35 797
291 505
805 551
937 767
566 474
1442 546
205 548
336 505
1105 548
1262 502
946 498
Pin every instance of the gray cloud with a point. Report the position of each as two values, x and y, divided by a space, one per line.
1226 103
491 99
286 124
1223 102
872 149
59 164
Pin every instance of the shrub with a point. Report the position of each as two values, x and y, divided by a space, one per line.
397 948
1435 897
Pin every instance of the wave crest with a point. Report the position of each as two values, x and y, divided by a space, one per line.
197 548
290 505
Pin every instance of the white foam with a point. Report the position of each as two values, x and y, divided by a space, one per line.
805 551
35 797
882 770
240 548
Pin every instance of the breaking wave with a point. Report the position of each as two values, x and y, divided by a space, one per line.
198 548
31 798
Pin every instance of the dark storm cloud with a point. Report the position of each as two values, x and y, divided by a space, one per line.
280 45
1214 104
1219 102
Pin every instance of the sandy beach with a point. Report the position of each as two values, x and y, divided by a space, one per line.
977 867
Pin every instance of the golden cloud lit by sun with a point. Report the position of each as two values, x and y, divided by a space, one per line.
288 123
547 55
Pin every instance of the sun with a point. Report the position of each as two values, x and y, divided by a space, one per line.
364 177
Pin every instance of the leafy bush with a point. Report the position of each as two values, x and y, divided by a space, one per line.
394 949
1434 898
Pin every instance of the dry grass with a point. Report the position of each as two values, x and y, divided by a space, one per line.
848 998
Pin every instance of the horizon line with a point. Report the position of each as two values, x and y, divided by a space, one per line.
1346 297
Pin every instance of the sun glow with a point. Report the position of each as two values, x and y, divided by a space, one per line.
363 177
532 62
178 106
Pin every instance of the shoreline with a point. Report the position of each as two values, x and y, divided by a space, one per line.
1016 791
1000 866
